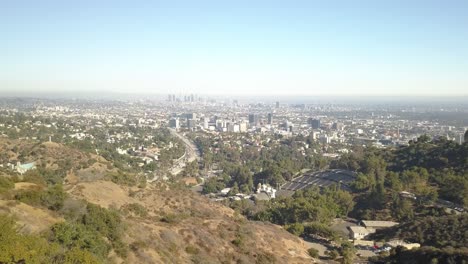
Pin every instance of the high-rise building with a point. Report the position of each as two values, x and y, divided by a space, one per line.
173 98
314 123
277 104
205 123
174 123
191 123
466 136
337 126
169 98
191 116
253 119
270 118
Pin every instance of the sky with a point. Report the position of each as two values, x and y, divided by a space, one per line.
237 47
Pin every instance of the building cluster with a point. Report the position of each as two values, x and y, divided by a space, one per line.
359 233
327 124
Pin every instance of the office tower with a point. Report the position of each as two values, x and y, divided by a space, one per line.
314 123
191 116
191 123
277 104
174 123
337 126
270 118
253 119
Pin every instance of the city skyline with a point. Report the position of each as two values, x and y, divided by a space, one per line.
242 48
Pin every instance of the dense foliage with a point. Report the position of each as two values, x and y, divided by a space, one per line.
427 255
443 231
277 161
311 205
20 248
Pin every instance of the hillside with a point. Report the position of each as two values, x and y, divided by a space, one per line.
168 224
164 223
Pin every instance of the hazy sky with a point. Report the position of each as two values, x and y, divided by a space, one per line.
236 47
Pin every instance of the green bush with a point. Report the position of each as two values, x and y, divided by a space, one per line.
192 250
53 197
72 236
75 256
122 178
15 247
320 229
108 223
137 209
21 248
313 252
6 183
295 229
31 196
173 218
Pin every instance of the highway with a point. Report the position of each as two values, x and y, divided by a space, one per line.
191 153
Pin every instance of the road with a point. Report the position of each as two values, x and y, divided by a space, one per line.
191 153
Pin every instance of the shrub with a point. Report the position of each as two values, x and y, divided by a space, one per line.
295 229
192 250
173 218
6 184
31 197
313 252
54 197
108 223
74 236
137 209
122 178
80 256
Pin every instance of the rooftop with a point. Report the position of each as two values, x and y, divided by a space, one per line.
358 230
368 223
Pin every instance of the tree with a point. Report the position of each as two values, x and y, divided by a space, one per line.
54 197
295 229
234 190
348 252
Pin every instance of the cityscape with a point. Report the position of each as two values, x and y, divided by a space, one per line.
233 132
226 150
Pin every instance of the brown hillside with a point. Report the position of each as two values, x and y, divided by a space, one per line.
30 219
184 227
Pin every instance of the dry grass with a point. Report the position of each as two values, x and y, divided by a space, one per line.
29 218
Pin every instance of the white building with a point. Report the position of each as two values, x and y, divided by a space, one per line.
359 232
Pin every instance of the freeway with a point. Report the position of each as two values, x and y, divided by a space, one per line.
191 153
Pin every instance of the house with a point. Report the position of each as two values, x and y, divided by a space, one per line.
359 232
225 191
377 224
23 168
396 243
261 196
